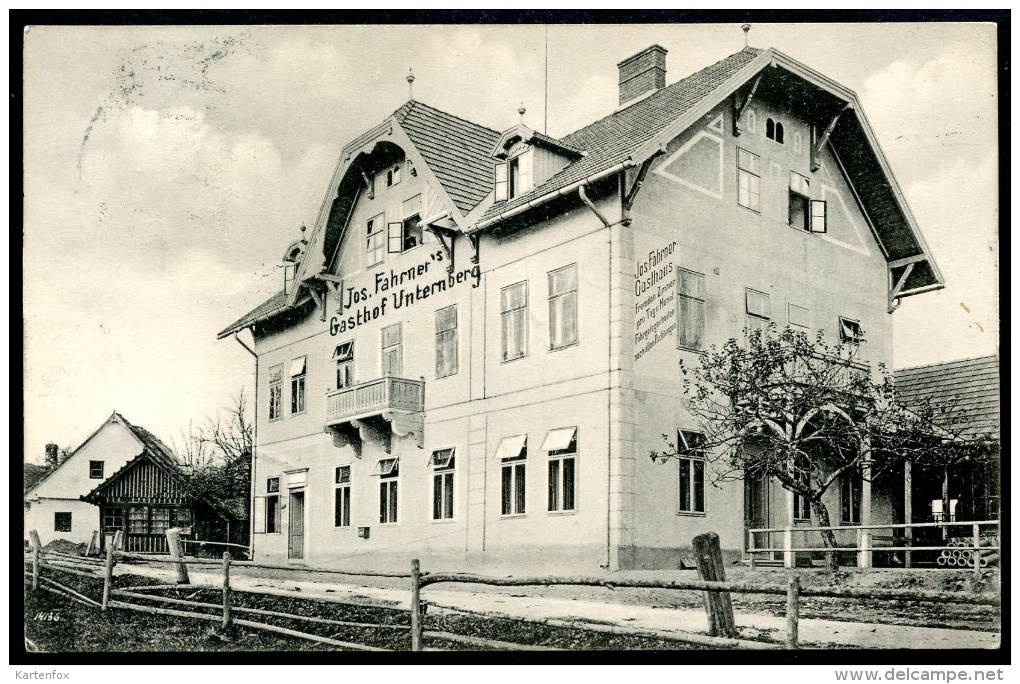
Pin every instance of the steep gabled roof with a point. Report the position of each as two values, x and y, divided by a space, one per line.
455 149
272 306
159 451
970 385
614 138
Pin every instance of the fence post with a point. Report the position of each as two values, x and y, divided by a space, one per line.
118 539
866 549
415 605
226 590
708 556
92 543
792 611
788 560
750 547
173 538
108 576
976 553
36 558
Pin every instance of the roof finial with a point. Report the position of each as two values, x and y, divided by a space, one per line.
521 110
410 84
747 29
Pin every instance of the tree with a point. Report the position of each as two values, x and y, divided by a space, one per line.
805 413
219 452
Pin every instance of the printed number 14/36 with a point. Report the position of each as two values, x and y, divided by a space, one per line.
47 616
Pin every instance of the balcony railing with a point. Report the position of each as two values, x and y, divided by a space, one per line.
373 397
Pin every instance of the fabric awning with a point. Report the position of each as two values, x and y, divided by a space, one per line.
557 440
512 447
297 366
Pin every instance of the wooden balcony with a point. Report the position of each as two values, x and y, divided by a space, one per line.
375 409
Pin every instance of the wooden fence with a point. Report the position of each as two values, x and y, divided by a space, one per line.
225 612
982 537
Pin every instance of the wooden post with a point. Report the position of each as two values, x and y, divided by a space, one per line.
975 554
36 558
108 576
226 589
416 629
173 538
750 546
92 543
908 512
792 611
789 561
118 539
708 556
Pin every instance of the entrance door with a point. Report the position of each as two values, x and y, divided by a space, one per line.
296 526
758 513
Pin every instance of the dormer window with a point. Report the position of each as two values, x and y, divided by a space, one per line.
514 177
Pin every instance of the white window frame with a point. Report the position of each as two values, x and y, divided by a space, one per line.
375 240
448 340
556 483
764 318
557 302
343 363
695 301
524 162
342 497
689 465
750 170
276 393
505 315
389 480
273 495
298 385
850 331
515 503
501 182
850 486
443 463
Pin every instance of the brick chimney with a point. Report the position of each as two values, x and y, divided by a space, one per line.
643 73
52 455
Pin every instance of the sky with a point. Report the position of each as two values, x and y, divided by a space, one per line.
166 169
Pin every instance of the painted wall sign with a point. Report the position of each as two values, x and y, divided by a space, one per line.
388 290
654 299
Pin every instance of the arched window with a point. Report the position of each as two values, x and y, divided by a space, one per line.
770 129
779 133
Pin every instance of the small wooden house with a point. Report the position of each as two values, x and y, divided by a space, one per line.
151 493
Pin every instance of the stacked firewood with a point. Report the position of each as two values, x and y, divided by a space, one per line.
960 553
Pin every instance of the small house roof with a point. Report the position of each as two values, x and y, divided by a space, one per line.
972 386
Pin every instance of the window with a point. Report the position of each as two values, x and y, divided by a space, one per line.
850 491
850 331
297 385
692 472
691 326
446 341
393 176
521 174
819 217
375 247
513 453
748 180
412 230
759 312
342 508
442 461
513 308
561 445
275 392
113 519
501 183
180 516
774 130
798 316
272 505
96 470
563 307
61 522
805 213
159 521
391 356
388 470
343 357
138 520
801 506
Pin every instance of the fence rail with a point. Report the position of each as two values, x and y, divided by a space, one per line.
224 612
864 546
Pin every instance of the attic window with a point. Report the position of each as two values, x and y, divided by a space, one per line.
774 130
96 470
393 176
514 177
805 213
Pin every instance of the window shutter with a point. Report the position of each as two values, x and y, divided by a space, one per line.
500 184
818 217
395 237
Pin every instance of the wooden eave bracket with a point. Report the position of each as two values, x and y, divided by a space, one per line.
369 185
739 107
475 241
631 195
897 287
591 205
442 234
816 149
334 284
320 301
